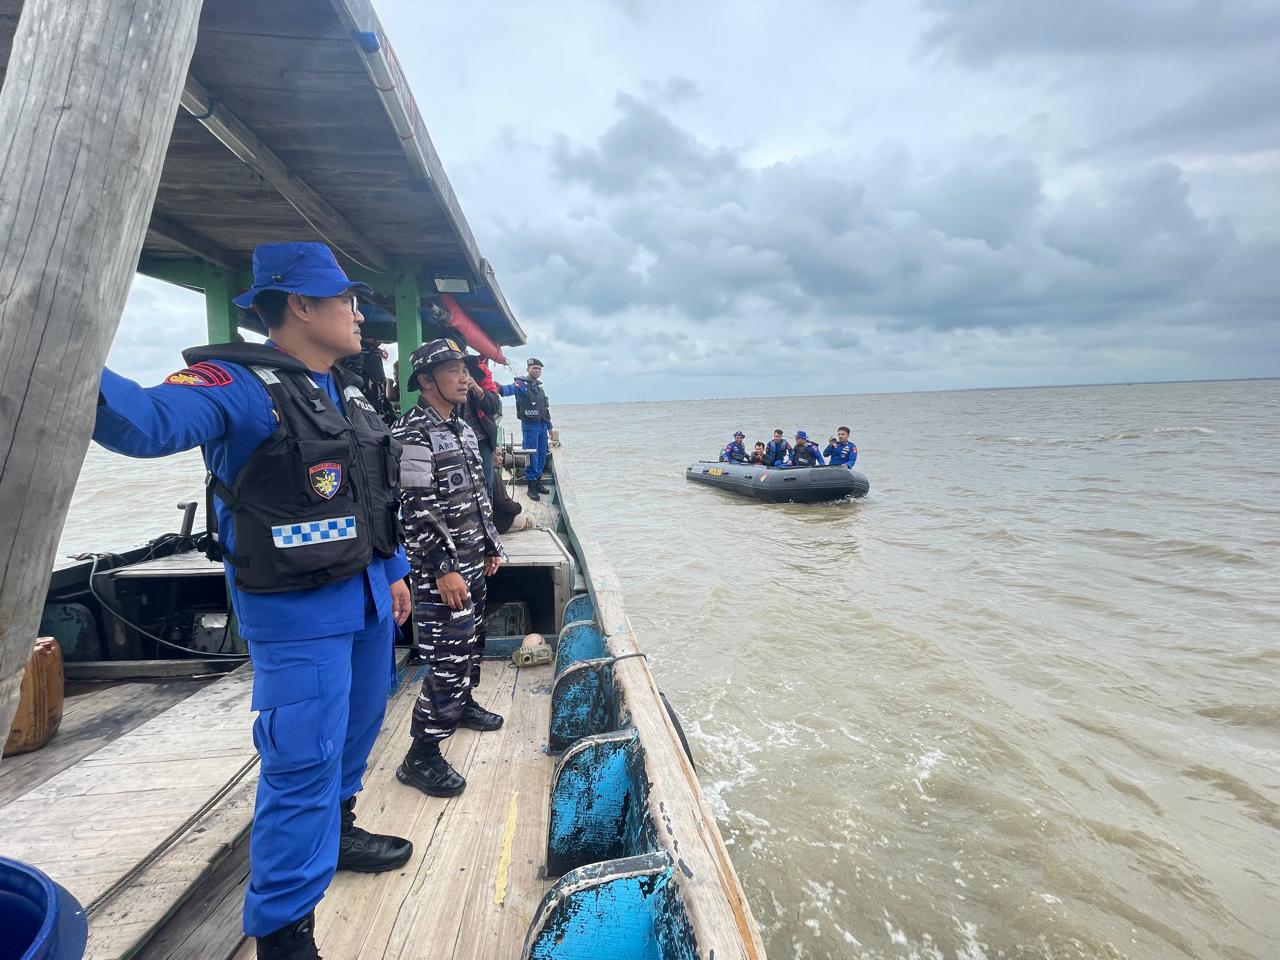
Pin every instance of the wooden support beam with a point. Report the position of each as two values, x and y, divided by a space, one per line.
402 110
221 315
85 114
183 273
330 226
191 242
409 327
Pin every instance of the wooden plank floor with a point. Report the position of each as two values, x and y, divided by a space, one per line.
92 716
476 875
94 821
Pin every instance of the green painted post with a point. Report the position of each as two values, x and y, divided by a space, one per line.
408 326
220 313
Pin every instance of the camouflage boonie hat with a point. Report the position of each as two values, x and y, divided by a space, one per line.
430 354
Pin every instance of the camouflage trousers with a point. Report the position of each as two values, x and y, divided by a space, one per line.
452 643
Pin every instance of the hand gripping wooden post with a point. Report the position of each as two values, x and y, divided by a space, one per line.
86 111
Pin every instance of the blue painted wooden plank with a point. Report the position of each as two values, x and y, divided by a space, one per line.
583 702
626 909
578 609
592 793
578 641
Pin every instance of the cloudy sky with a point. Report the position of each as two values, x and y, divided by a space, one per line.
736 198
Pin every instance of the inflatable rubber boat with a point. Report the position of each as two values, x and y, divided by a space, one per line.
777 485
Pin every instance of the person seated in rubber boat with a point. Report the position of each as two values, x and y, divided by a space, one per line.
777 450
757 458
841 451
805 453
734 451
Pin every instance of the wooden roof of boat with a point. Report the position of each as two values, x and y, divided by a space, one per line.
297 124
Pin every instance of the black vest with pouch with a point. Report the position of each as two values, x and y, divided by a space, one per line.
320 497
532 405
802 455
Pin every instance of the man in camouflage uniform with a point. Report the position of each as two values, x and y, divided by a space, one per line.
452 546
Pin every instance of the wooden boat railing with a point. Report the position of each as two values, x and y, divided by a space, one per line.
645 872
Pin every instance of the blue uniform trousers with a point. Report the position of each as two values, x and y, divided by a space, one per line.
535 439
320 702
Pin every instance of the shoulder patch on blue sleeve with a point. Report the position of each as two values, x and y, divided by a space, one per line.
203 374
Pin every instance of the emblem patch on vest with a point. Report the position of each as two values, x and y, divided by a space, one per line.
325 478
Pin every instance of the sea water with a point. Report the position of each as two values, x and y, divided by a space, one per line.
1020 701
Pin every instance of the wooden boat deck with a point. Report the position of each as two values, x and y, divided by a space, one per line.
92 716
476 875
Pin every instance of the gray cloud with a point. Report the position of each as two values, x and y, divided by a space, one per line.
643 148
981 31
881 195
976 243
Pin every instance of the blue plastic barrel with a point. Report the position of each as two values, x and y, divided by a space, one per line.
39 920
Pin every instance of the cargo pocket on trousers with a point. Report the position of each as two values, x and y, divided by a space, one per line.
290 732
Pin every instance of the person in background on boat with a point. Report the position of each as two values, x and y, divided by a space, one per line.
368 366
534 410
481 410
805 453
313 564
841 451
453 547
777 451
506 512
734 451
757 458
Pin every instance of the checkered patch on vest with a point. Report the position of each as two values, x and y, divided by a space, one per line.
316 531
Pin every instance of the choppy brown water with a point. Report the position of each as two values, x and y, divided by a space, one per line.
1019 702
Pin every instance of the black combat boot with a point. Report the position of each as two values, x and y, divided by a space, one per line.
297 941
426 769
533 490
542 487
365 852
476 717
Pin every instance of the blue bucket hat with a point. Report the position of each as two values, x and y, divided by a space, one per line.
801 435
308 269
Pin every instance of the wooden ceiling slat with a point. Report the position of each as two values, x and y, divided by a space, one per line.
303 19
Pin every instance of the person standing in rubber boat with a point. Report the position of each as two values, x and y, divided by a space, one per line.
777 451
841 451
734 451
303 511
453 547
534 410
757 458
805 452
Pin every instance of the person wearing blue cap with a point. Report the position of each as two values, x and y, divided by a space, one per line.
804 453
734 451
303 512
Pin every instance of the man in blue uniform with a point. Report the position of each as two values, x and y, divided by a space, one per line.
841 451
534 410
303 511
777 450
734 451
805 452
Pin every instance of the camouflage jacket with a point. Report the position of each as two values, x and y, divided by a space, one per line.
448 520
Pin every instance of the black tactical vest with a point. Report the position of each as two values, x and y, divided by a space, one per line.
532 404
802 455
320 496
